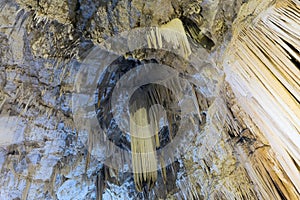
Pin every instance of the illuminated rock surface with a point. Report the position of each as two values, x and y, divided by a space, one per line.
248 144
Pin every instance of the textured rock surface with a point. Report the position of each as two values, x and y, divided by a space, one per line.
42 44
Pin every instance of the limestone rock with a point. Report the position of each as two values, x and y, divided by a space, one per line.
246 146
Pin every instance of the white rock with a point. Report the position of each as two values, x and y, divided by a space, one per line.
72 189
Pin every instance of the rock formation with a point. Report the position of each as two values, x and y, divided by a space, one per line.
231 124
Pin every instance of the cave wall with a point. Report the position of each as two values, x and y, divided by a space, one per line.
42 45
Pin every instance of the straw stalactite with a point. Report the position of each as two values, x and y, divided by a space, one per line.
265 59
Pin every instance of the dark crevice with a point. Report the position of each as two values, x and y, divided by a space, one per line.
196 35
293 59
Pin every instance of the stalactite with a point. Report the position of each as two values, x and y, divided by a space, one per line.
145 117
264 56
100 183
143 150
173 32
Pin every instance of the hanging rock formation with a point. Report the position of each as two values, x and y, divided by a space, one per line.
239 127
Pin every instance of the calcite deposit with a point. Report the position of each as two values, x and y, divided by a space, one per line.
244 83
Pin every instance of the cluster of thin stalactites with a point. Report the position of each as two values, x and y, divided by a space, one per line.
145 119
265 59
